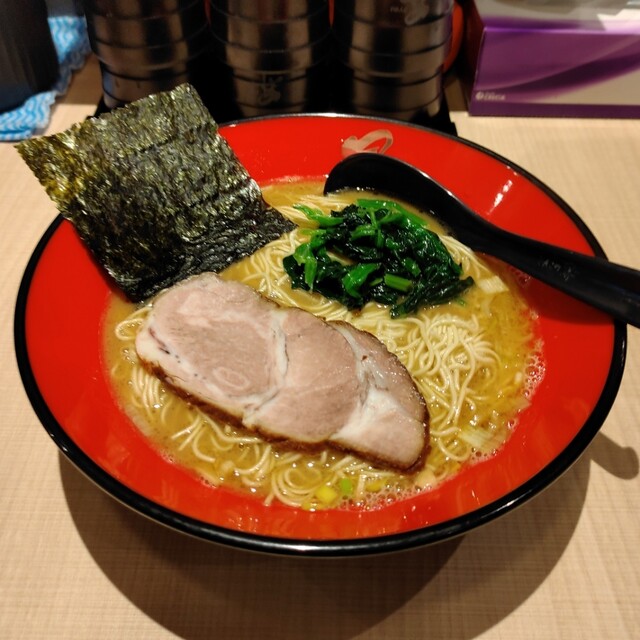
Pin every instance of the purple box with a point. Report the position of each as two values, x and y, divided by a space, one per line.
553 58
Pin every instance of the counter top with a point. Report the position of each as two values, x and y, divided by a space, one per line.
77 564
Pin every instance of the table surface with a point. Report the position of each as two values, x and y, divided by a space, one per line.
74 563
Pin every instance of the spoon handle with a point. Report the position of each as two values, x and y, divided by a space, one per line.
604 285
609 287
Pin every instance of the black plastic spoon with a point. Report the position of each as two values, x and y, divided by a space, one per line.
609 287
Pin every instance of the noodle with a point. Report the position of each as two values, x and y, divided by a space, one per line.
472 361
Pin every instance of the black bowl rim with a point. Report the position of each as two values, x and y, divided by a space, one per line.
188 66
368 36
259 75
270 60
139 32
178 13
274 35
202 33
320 44
391 19
296 19
425 23
154 59
392 64
327 548
322 5
353 74
419 54
91 7
130 92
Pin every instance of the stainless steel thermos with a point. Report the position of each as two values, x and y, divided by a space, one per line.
261 57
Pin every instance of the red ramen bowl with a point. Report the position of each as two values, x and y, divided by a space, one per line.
64 294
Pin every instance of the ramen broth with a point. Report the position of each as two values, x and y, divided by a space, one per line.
476 361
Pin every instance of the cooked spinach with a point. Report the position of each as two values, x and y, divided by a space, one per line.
375 250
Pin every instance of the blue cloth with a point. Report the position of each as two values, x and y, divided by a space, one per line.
72 46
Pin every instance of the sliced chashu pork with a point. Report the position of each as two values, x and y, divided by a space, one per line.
284 372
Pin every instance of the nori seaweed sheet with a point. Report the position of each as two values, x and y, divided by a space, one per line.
155 192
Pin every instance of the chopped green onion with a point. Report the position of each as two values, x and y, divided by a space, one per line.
326 494
346 486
